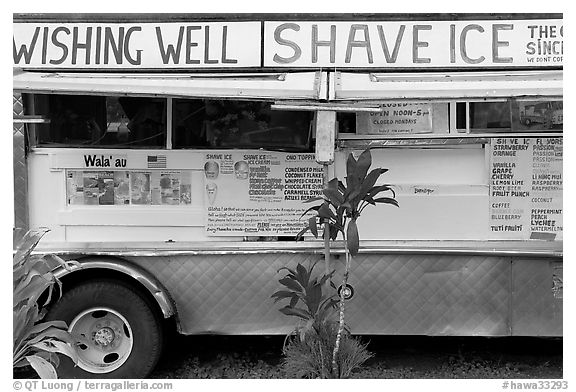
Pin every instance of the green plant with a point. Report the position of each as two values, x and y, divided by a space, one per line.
342 204
37 343
308 349
311 357
305 290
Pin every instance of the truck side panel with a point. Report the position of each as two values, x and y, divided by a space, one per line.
405 294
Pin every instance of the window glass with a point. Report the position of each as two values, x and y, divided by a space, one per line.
82 120
537 115
492 116
239 124
516 116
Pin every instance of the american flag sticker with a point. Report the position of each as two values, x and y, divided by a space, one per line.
156 161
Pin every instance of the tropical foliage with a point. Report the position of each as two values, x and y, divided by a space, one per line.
37 343
307 301
341 206
308 351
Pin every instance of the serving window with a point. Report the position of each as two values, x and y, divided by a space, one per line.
99 121
222 124
512 115
430 118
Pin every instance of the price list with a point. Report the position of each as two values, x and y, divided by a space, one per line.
526 188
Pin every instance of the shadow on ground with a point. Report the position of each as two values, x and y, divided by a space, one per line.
213 356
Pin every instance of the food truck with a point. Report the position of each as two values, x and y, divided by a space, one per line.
171 154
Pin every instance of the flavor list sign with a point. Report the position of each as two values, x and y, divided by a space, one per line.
258 193
526 188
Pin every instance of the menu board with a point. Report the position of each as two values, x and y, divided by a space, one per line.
401 118
526 188
258 193
123 187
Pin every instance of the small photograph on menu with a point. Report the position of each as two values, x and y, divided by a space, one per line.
140 188
121 188
91 191
106 188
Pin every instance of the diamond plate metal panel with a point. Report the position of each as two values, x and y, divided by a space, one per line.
395 294
429 295
536 304
225 294
20 173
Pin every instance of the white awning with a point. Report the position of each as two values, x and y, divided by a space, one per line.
301 85
369 86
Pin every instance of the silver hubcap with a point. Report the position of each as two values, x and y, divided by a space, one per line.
107 339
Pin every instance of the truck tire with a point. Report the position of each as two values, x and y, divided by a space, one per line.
123 335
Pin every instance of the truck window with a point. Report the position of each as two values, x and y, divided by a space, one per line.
99 121
516 115
205 123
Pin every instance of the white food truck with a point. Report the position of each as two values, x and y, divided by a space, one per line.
170 154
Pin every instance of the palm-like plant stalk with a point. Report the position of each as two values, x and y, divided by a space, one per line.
341 206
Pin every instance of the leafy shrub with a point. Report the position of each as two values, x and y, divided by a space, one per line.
311 357
308 349
303 288
37 343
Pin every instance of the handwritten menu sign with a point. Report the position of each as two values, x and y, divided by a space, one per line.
396 118
258 193
526 188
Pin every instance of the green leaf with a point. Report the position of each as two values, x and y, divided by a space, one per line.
51 332
351 196
387 200
302 275
363 164
27 244
294 300
42 367
313 208
351 184
370 180
291 284
295 312
313 227
333 232
351 165
57 346
302 232
333 183
290 271
280 295
325 212
381 188
316 198
335 197
313 297
352 237
369 200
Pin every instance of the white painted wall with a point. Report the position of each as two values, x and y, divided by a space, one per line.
452 202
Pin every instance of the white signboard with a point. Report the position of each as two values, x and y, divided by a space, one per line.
399 118
258 193
421 44
137 45
526 188
291 44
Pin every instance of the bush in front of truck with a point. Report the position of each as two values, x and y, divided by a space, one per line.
37 343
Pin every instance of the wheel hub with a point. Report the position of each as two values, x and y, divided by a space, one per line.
104 336
108 339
